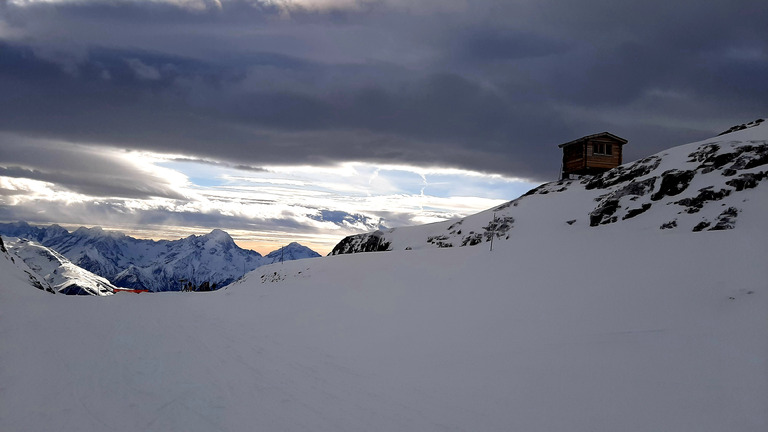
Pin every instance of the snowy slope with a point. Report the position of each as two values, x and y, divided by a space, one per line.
16 274
694 187
59 273
212 259
562 327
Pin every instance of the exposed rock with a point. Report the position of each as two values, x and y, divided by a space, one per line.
472 239
499 226
640 188
742 157
453 228
703 152
751 156
604 212
710 159
706 194
747 180
439 241
742 126
726 219
634 212
673 182
369 242
609 204
669 225
74 289
700 226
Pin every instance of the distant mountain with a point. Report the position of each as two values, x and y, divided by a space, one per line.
57 271
693 187
202 262
293 251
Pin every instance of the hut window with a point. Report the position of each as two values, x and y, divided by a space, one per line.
602 149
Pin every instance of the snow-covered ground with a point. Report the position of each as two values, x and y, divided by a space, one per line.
562 327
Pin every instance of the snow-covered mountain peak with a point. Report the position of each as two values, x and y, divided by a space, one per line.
88 232
218 236
291 251
96 232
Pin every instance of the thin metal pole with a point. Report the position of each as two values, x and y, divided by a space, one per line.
493 230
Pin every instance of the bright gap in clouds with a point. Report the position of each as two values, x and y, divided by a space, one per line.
161 196
318 205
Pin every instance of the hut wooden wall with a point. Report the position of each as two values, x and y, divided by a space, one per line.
603 161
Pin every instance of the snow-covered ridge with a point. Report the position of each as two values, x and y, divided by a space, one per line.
57 271
197 262
694 187
14 268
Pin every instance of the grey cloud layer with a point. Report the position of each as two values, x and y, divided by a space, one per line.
79 169
493 87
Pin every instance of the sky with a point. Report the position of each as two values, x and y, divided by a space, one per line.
309 120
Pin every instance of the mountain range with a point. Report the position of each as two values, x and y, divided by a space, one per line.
204 262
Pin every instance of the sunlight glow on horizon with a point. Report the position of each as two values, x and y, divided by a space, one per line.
262 208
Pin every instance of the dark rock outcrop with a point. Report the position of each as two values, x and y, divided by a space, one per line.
634 212
742 126
726 220
705 195
673 182
747 180
369 242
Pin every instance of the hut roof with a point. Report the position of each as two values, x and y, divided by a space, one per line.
597 135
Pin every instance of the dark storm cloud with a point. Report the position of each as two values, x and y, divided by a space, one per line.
79 169
492 88
484 45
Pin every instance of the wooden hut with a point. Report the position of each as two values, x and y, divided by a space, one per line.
591 154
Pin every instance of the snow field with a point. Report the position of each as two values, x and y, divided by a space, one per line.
669 334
